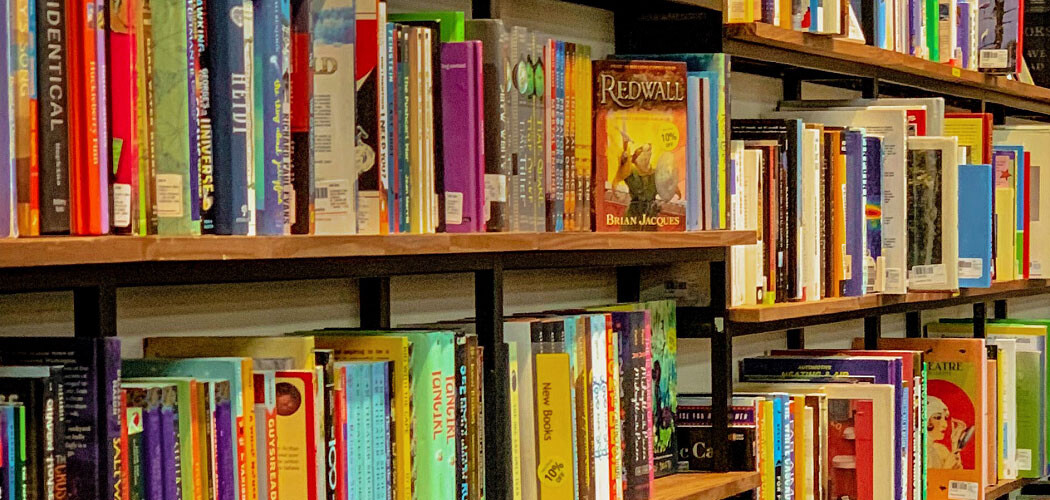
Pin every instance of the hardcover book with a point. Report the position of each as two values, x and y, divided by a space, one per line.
52 75
271 142
640 142
366 114
297 423
300 218
464 154
856 225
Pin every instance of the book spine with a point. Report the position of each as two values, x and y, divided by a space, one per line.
388 165
136 454
474 464
550 93
147 168
124 100
569 145
152 442
380 474
334 100
203 201
24 54
341 421
110 408
54 120
497 163
171 124
366 60
102 115
559 137
301 115
230 29
225 451
554 441
462 426
458 134
8 169
403 77
271 24
171 454
435 146
193 108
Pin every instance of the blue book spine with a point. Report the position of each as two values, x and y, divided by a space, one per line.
272 25
975 225
363 415
402 142
380 429
193 99
778 445
873 158
7 481
692 207
854 285
559 138
229 28
814 16
391 129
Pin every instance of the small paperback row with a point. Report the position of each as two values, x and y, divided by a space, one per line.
933 418
968 34
344 414
884 196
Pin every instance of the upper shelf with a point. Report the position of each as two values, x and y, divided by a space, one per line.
788 48
45 263
751 319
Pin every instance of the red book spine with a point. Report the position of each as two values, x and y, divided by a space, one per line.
123 90
85 171
1025 257
863 422
341 488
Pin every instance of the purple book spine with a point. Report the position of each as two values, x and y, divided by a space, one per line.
109 424
8 227
461 180
153 442
479 136
224 451
962 32
169 444
854 285
103 120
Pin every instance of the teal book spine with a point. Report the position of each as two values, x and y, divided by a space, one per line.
380 429
361 406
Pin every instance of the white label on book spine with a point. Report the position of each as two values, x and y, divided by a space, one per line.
332 197
893 278
496 188
121 205
1035 268
169 195
963 490
932 274
994 58
368 212
1024 459
971 267
453 207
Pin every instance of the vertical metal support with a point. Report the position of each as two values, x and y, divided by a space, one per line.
792 86
374 300
628 284
488 305
870 89
913 324
796 338
1000 309
872 331
980 314
486 9
95 311
721 365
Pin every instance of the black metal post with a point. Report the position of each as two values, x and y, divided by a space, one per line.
913 324
872 331
485 9
792 86
870 88
1000 309
488 305
796 338
721 393
980 314
628 284
374 300
95 311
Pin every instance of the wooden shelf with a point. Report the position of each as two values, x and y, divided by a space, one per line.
1005 487
59 251
794 49
754 319
704 485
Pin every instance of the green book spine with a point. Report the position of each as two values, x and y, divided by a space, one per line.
172 129
932 23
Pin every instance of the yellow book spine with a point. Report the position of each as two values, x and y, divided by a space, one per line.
615 424
293 475
1005 235
785 22
515 422
768 472
196 437
554 453
798 409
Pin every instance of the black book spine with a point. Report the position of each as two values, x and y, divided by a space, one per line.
53 117
301 118
494 40
202 60
326 359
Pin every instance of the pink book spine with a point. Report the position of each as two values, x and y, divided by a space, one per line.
649 398
123 108
479 139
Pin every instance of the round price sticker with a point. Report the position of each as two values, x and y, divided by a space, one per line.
669 136
554 472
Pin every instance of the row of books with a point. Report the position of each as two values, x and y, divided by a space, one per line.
359 121
884 196
933 418
980 36
344 414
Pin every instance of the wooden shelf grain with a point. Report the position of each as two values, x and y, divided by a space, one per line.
789 48
65 250
754 319
704 485
1005 487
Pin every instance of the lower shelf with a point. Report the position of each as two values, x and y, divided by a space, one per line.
1005 487
704 485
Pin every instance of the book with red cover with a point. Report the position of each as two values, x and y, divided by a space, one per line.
366 60
339 423
863 422
123 98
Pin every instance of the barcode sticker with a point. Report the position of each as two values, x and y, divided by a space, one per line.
332 196
121 205
971 268
453 207
963 490
496 188
169 195
893 279
1024 459
994 58
932 274
869 274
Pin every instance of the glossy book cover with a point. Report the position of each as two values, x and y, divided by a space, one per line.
640 129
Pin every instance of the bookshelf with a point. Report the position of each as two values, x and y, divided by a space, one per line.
704 486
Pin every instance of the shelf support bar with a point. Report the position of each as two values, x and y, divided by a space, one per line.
870 89
488 305
913 324
628 284
95 310
980 314
1000 309
721 393
872 331
374 301
796 338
